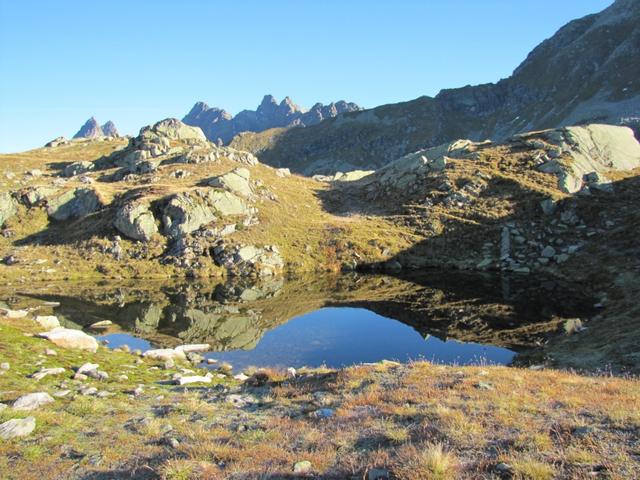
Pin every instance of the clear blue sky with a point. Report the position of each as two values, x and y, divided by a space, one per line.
135 62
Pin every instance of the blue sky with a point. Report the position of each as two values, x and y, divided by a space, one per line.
135 62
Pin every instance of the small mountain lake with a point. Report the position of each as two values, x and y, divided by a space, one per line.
339 337
332 320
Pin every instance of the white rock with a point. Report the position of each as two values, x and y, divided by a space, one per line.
6 312
164 354
200 347
70 338
101 324
48 371
48 321
18 427
32 401
241 377
194 379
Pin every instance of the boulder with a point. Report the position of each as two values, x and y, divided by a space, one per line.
48 321
187 212
70 338
77 168
56 142
174 129
73 204
588 150
164 354
17 427
35 196
7 207
136 221
235 181
32 401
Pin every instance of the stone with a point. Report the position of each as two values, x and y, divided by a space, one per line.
303 466
5 366
283 172
164 354
17 427
194 379
378 474
101 324
48 321
6 312
32 401
50 352
548 206
236 181
8 207
136 221
47 371
192 348
188 211
72 339
548 252
86 368
323 413
75 203
37 195
77 168
88 391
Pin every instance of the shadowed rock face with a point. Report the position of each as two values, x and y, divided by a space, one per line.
218 124
586 73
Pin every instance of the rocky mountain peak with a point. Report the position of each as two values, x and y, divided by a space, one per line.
109 129
219 125
90 129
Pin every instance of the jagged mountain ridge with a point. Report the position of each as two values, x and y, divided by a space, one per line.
92 129
218 124
589 71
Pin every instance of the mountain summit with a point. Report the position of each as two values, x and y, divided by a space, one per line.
92 129
218 124
589 71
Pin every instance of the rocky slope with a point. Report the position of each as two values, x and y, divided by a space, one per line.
92 129
220 126
587 72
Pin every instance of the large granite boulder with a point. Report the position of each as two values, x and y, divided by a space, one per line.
70 338
77 168
135 220
188 211
236 181
7 207
577 155
17 427
73 204
173 129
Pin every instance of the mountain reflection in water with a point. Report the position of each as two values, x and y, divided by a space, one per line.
335 320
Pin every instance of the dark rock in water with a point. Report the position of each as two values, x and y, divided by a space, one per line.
91 129
218 124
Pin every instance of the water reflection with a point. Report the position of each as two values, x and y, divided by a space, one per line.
332 319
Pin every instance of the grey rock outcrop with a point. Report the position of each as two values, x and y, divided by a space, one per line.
77 168
218 124
75 203
235 181
7 207
32 401
243 260
134 220
581 156
188 211
17 427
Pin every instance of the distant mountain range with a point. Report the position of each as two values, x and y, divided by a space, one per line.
220 126
92 129
589 71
